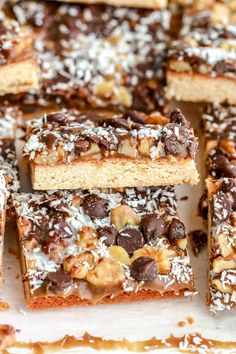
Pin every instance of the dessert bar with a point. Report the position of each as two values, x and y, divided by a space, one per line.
154 4
222 250
18 67
3 195
219 124
202 63
70 150
103 246
98 55
8 161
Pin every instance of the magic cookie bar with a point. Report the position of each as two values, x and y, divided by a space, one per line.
18 69
8 161
219 124
154 4
3 195
69 151
99 56
202 63
222 247
102 246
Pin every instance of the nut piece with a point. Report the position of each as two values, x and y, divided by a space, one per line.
105 89
93 150
123 96
119 254
108 273
127 148
124 215
87 238
182 243
226 248
78 266
220 264
224 288
144 146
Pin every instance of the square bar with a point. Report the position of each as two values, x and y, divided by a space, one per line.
222 236
18 67
202 62
104 246
99 56
70 150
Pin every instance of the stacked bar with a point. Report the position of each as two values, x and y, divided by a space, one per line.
3 198
202 62
219 123
18 68
67 150
98 56
104 245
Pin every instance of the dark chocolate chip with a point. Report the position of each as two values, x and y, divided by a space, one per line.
224 66
198 240
61 229
95 206
222 208
177 117
59 280
152 226
81 146
222 167
143 269
130 239
109 233
136 117
117 123
176 230
59 118
229 187
174 147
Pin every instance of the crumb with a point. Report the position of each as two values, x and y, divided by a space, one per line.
4 306
7 336
8 268
181 324
190 320
17 276
198 240
184 198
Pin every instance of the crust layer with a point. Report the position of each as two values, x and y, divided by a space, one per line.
153 4
113 173
198 88
18 77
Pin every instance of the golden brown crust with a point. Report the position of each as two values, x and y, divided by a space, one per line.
40 303
192 87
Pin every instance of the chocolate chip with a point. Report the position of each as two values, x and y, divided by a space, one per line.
81 146
152 226
59 280
117 123
229 187
136 117
143 269
222 208
130 239
176 230
224 66
59 118
110 234
222 167
61 229
95 206
174 147
177 117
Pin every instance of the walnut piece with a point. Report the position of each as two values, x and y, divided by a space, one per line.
119 254
124 215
